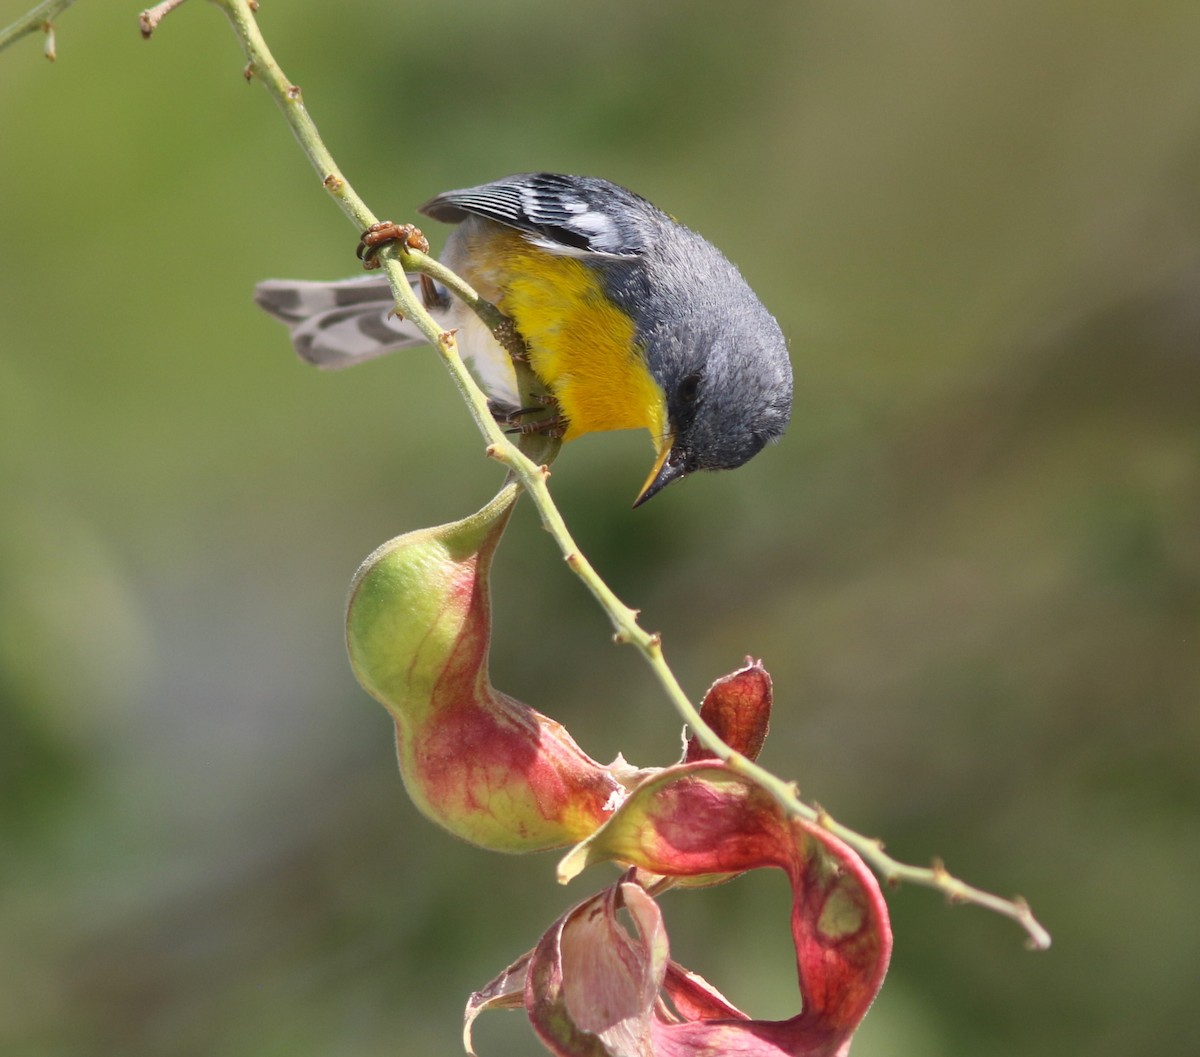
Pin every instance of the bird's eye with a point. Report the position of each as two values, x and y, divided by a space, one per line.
689 388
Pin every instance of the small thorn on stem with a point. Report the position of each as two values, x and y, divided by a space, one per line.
248 72
942 877
49 50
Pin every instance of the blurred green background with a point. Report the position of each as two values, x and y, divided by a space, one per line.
972 566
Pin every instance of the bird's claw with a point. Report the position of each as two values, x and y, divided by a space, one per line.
379 235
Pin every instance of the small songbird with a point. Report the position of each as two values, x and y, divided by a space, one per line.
631 320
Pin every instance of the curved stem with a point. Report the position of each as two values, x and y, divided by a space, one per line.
533 475
39 18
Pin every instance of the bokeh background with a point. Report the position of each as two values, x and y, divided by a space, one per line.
972 566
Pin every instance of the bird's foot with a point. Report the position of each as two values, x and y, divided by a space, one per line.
379 235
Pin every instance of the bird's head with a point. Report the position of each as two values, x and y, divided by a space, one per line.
727 384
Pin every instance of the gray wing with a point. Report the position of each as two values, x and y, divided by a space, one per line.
337 324
570 215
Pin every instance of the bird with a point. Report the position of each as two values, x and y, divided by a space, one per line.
631 319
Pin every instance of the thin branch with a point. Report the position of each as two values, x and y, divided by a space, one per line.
149 19
261 65
533 474
41 18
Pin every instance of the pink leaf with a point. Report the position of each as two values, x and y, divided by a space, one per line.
591 986
594 990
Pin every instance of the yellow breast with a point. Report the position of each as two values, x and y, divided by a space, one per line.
581 345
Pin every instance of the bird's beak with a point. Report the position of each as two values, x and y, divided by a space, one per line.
662 474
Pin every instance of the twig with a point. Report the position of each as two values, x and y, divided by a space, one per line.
149 19
395 259
533 475
41 18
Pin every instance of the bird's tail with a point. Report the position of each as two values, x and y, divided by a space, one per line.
338 324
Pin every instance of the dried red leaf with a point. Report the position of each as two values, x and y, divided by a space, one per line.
738 709
593 990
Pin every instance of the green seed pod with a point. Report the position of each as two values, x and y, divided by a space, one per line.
486 767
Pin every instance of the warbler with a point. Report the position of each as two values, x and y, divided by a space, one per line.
631 320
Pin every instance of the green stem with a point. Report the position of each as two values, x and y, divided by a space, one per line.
261 64
40 18
533 475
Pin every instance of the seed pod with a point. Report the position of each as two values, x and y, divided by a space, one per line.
486 767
